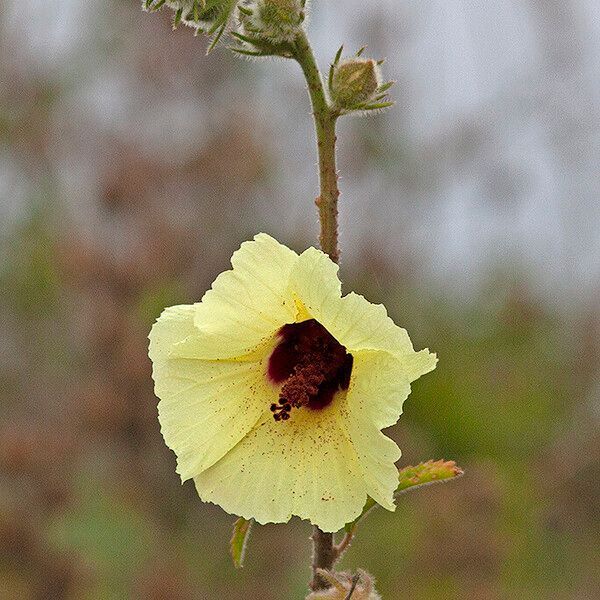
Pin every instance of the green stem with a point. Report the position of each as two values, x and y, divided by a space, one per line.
325 122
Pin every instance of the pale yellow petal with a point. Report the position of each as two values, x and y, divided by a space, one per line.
378 389
206 407
248 304
305 466
417 364
174 325
314 281
360 325
353 321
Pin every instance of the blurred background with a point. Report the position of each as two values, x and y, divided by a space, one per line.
132 166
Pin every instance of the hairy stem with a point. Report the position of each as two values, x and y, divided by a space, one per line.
344 544
325 122
324 557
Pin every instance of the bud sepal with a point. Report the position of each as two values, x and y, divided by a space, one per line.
345 585
211 17
355 84
269 27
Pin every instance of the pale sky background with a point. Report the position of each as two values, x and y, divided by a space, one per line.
498 112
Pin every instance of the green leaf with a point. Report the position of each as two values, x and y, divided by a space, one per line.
239 541
411 478
427 472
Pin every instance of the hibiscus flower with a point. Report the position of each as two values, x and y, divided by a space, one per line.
274 389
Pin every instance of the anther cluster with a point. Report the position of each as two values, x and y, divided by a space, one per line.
311 364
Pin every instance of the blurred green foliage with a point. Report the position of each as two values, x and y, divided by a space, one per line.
28 278
507 396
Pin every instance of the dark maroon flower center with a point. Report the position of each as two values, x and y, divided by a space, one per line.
311 364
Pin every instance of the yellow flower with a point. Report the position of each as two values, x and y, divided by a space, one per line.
274 389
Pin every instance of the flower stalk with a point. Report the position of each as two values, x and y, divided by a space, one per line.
325 126
324 552
312 359
324 558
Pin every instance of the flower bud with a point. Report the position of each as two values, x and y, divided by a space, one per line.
210 17
355 82
193 15
342 583
277 21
